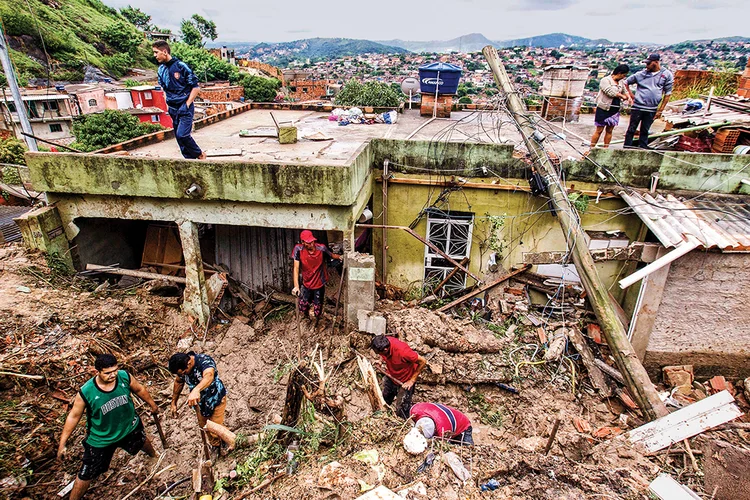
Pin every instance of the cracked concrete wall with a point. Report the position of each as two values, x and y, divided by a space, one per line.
703 319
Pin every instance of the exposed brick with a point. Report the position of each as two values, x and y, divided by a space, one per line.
679 376
222 93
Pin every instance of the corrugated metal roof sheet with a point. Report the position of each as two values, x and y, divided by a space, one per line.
721 224
8 228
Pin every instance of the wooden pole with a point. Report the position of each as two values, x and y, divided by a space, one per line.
636 378
385 223
134 273
484 288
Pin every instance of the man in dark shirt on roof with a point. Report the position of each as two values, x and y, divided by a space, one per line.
206 389
311 258
403 366
181 87
653 88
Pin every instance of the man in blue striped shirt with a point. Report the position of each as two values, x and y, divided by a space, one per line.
653 88
181 88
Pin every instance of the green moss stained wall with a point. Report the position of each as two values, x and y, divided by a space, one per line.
232 181
529 227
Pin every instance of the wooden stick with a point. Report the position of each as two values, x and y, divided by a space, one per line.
612 372
690 454
23 375
261 485
552 436
463 262
206 450
150 477
134 273
587 357
483 288
224 434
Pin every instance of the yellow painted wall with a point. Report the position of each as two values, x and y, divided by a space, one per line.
529 227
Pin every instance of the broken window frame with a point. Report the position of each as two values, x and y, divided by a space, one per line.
459 227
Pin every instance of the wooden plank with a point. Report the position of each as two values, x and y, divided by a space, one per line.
483 289
587 357
686 422
134 273
666 488
463 262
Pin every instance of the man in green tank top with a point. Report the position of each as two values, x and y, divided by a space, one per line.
111 421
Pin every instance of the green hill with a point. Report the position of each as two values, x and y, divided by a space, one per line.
66 36
318 48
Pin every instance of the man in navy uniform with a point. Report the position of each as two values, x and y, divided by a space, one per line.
181 87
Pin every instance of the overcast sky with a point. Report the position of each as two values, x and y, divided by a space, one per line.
658 21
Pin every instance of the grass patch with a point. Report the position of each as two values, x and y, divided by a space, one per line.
488 414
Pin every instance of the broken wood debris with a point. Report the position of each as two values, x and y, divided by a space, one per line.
483 288
134 273
685 423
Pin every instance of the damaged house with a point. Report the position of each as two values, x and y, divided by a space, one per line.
140 204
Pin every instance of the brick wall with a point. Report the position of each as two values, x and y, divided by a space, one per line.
685 79
444 105
308 90
222 94
557 107
265 68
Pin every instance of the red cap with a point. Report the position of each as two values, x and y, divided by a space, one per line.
307 236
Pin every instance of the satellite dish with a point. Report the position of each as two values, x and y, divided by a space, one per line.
410 86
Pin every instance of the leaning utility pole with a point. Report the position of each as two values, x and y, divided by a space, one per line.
10 75
636 378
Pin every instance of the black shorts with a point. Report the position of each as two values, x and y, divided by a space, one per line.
96 460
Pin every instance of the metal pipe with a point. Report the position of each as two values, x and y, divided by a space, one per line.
681 131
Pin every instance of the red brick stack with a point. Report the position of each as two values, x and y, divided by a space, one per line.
744 88
558 107
725 140
444 105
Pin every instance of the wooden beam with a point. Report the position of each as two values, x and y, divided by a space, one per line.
481 185
453 272
432 247
134 273
484 288
636 378
636 252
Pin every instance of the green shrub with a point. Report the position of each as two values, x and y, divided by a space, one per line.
205 66
122 37
259 89
368 94
118 64
100 130
17 23
465 100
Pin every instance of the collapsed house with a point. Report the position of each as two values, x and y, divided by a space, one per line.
139 204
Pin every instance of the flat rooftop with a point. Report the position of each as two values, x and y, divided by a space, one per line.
222 140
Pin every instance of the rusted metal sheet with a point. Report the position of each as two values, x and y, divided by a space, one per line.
724 225
9 230
259 257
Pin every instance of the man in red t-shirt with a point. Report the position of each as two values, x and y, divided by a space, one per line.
403 366
312 258
439 420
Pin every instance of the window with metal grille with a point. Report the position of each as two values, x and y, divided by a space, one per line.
451 233
50 105
55 127
92 102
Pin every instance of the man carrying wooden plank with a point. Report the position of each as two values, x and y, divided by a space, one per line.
403 367
207 392
110 418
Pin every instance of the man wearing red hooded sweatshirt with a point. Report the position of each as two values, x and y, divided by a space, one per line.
311 258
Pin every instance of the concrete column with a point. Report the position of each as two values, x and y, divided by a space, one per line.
195 302
348 240
647 307
360 285
42 229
